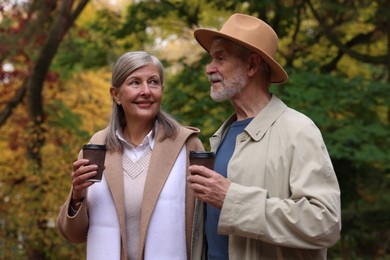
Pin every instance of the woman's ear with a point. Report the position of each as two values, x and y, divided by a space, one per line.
114 95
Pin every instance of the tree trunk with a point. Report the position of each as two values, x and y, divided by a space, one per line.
61 24
35 105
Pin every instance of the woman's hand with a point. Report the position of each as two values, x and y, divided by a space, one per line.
80 175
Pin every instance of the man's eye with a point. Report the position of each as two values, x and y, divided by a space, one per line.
218 59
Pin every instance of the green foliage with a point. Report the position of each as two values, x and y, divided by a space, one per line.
91 45
62 117
350 112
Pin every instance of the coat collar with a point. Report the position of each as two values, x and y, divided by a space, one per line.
259 125
265 118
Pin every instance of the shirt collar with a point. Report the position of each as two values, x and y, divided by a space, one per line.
148 140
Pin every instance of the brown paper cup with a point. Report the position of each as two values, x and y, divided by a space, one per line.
96 154
202 158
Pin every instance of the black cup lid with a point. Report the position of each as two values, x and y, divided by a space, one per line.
94 147
195 154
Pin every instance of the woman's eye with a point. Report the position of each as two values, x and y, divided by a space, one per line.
134 83
154 83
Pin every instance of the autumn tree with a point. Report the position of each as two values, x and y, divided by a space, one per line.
31 34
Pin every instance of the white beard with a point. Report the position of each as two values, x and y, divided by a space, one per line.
230 87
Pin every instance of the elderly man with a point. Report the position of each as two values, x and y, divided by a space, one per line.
273 193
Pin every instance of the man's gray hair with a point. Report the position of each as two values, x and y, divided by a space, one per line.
243 53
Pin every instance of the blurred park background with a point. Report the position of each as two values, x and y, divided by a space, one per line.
56 59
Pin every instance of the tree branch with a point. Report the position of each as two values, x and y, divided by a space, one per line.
12 104
343 47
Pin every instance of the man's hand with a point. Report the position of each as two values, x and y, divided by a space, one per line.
208 185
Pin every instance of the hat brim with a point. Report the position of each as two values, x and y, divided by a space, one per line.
205 38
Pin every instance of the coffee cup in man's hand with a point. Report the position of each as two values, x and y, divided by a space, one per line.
202 158
96 154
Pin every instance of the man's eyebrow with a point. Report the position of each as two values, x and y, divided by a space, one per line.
217 52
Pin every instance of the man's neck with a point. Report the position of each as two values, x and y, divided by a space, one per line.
250 101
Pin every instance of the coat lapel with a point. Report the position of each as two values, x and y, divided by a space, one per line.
114 177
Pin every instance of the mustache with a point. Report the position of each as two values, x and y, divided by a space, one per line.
215 77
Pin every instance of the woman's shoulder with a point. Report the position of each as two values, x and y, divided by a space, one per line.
190 129
99 137
193 140
188 132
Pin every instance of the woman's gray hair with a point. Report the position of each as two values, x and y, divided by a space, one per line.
124 66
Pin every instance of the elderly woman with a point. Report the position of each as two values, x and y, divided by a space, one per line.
142 208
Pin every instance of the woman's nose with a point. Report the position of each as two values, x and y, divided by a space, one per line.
145 89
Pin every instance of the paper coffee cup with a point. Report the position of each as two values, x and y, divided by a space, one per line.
202 158
96 154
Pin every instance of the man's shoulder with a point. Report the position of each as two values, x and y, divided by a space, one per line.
295 116
293 124
290 115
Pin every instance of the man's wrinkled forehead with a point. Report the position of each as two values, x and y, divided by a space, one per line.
219 47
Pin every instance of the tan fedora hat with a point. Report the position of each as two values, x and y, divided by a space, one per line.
253 34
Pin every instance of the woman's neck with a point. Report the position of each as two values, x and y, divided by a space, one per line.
136 133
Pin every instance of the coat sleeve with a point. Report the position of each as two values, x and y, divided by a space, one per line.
309 217
74 228
197 243
195 144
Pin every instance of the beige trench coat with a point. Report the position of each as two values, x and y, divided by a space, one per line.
284 200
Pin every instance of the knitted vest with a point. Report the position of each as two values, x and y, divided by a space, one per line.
134 182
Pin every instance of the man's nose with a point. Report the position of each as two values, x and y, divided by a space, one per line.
211 68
